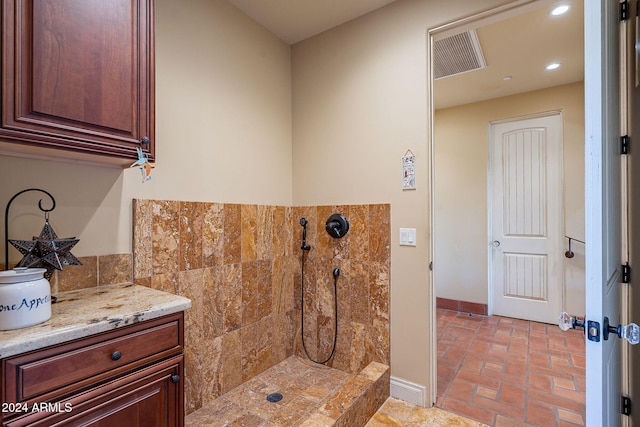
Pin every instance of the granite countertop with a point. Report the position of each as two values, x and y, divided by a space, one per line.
78 314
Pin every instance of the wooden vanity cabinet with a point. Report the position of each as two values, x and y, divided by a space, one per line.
78 79
131 376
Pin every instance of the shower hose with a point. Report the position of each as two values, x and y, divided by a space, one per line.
336 273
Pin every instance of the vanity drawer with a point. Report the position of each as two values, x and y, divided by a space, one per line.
53 371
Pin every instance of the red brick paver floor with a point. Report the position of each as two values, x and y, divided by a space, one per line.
510 372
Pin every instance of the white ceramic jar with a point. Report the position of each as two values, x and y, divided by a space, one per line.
25 298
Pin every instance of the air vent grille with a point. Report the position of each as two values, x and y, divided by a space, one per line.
457 54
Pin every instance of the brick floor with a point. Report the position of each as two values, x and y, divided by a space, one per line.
504 372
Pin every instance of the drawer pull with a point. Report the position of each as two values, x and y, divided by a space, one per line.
175 378
116 355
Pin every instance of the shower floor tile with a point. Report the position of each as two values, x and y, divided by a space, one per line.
304 387
395 412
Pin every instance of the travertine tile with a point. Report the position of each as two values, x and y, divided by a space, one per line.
213 301
381 419
114 269
191 230
165 282
318 420
75 277
379 233
264 232
231 375
359 292
165 237
359 230
345 397
324 243
249 233
249 337
211 369
283 232
241 265
398 408
232 296
305 388
213 235
232 233
264 344
142 238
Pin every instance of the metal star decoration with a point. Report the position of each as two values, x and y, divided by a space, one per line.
47 251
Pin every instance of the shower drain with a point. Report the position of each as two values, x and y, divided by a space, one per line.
274 397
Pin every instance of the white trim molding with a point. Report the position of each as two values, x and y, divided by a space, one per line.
409 392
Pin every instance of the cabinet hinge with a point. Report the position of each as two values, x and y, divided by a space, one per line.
625 406
624 10
626 273
625 143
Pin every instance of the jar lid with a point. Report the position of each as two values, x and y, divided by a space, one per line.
21 274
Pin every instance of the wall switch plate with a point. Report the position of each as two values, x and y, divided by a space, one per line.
407 236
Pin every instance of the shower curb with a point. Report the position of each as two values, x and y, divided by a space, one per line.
356 402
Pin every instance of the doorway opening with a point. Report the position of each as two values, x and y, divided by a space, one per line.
489 363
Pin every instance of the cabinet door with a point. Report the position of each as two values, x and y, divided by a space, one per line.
79 75
152 397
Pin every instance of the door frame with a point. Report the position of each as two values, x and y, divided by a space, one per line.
514 6
560 213
449 28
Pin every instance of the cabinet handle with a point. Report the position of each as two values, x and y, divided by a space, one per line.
116 355
145 140
175 378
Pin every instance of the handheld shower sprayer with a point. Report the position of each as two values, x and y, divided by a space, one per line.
303 223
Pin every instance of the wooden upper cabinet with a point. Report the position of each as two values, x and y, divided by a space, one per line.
78 75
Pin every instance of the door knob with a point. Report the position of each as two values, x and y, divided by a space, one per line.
495 243
567 321
631 332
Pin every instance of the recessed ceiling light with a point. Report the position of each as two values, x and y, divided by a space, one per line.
553 66
559 10
506 78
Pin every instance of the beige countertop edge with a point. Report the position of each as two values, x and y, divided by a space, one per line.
78 314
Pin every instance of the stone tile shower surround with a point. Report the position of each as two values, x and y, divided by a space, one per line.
240 266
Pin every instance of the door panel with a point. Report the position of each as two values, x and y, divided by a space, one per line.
603 206
526 215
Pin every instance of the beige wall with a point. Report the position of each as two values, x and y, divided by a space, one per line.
359 102
223 120
461 190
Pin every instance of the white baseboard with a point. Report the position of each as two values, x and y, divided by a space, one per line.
408 391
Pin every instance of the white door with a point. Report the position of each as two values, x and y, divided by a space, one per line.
603 210
526 218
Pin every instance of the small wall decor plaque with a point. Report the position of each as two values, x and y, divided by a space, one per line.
409 171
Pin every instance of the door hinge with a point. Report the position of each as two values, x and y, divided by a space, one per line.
625 143
626 273
624 10
625 406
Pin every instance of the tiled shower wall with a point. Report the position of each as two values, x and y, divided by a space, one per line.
363 257
240 266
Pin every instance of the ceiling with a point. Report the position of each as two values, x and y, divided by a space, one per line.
518 45
295 20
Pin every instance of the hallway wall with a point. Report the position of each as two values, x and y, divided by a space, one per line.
461 153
